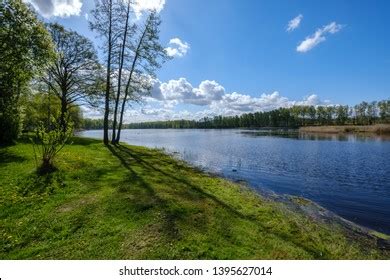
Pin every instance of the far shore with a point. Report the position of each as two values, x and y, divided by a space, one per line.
377 129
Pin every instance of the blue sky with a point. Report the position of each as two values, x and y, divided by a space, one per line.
238 56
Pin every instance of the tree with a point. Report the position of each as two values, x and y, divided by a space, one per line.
128 31
148 54
372 112
74 76
384 110
105 20
312 114
25 50
360 112
341 114
330 110
321 115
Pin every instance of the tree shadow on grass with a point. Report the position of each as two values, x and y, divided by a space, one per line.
84 141
180 191
185 190
144 197
40 183
7 157
192 189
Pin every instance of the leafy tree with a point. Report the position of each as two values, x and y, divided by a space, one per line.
312 114
74 76
360 112
384 110
329 114
25 50
321 115
341 114
371 112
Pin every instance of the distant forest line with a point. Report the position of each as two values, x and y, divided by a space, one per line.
297 116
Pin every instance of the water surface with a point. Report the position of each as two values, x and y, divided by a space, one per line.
347 174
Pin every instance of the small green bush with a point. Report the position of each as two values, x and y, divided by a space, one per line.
47 143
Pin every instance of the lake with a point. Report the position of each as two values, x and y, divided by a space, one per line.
349 174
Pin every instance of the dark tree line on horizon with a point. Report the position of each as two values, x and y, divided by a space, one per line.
361 114
132 54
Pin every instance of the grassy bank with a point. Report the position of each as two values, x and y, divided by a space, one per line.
130 202
377 128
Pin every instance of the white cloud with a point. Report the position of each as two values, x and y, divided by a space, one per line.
318 37
57 8
213 98
211 93
181 91
86 16
140 6
236 103
155 111
311 100
294 23
66 8
177 48
207 100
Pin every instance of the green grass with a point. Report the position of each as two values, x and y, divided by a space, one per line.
131 202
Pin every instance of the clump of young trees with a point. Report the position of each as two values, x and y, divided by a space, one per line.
361 114
132 54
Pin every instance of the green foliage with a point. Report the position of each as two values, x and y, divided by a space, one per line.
94 123
48 142
384 110
25 49
39 107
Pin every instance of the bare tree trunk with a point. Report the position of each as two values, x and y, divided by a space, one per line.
108 82
128 84
48 106
64 111
122 56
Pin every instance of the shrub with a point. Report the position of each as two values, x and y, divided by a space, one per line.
47 143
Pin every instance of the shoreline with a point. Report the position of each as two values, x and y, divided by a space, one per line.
287 198
298 204
309 208
132 202
379 129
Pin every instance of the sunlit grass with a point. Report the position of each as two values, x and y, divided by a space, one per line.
130 202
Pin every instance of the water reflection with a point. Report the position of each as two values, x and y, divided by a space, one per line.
295 134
